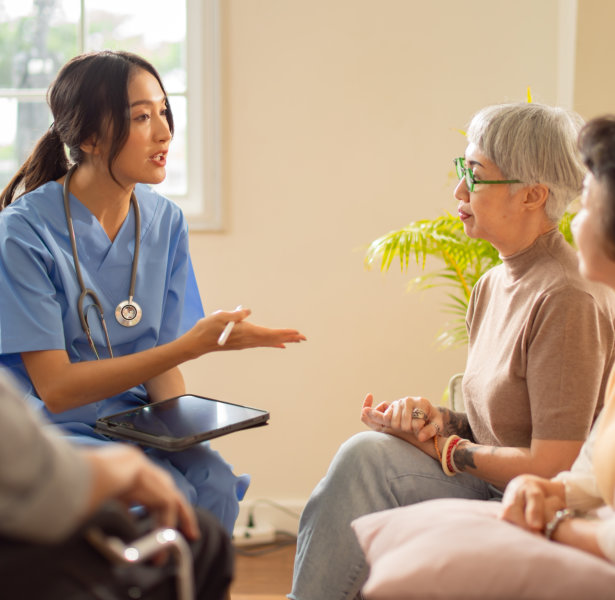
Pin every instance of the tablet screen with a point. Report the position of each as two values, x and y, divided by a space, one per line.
185 417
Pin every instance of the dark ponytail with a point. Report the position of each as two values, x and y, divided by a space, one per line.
47 162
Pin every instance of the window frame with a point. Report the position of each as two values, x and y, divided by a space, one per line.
202 203
203 114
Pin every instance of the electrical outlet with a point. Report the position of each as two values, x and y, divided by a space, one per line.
244 535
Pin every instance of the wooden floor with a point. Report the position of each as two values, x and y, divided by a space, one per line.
264 576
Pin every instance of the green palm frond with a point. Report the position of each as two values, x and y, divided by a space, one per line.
565 227
465 261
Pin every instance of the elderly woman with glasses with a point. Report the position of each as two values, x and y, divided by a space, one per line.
541 345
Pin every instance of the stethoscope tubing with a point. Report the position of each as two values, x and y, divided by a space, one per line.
85 292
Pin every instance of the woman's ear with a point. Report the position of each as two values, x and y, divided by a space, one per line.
90 146
536 196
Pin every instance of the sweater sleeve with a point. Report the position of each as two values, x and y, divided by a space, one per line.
44 481
568 361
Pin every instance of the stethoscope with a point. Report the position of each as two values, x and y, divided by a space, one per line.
127 313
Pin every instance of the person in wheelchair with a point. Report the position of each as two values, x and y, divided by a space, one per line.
51 496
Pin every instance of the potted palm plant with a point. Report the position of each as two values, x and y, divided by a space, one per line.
462 261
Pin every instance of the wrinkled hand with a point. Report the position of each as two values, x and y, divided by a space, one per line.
397 417
372 416
531 502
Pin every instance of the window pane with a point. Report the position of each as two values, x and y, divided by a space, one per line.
21 124
8 140
156 31
175 183
36 38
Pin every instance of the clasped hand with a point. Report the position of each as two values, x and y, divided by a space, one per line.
531 502
411 415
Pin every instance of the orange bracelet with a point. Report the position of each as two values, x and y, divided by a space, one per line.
435 444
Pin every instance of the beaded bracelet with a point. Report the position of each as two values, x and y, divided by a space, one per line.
449 446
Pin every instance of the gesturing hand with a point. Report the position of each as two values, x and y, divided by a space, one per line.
203 337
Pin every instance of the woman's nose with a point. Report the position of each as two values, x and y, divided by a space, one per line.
163 131
461 190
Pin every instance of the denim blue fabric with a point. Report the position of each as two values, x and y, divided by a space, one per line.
371 472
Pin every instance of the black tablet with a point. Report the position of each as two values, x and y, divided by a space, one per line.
178 423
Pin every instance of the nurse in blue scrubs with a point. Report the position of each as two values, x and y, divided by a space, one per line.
82 234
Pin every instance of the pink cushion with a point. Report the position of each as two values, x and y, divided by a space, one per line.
453 548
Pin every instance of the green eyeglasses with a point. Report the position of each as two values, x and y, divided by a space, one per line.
463 171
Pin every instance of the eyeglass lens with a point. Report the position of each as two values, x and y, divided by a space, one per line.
463 171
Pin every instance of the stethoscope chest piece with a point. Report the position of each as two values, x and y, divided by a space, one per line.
128 313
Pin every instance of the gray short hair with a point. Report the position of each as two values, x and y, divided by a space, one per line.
536 144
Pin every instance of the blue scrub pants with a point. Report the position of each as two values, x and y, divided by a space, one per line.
202 475
206 480
371 472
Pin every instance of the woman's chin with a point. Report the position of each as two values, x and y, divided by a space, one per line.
469 229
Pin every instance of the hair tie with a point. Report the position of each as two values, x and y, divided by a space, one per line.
53 131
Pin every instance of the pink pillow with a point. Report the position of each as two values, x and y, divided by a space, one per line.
453 548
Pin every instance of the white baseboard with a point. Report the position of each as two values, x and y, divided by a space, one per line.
281 514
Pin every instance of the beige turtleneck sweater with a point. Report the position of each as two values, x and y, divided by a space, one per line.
541 346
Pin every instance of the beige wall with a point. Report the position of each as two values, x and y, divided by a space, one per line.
340 124
594 90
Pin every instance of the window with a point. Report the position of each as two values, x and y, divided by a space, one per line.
180 39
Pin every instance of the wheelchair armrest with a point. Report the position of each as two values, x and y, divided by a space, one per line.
119 536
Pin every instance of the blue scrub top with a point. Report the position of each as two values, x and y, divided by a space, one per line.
40 291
